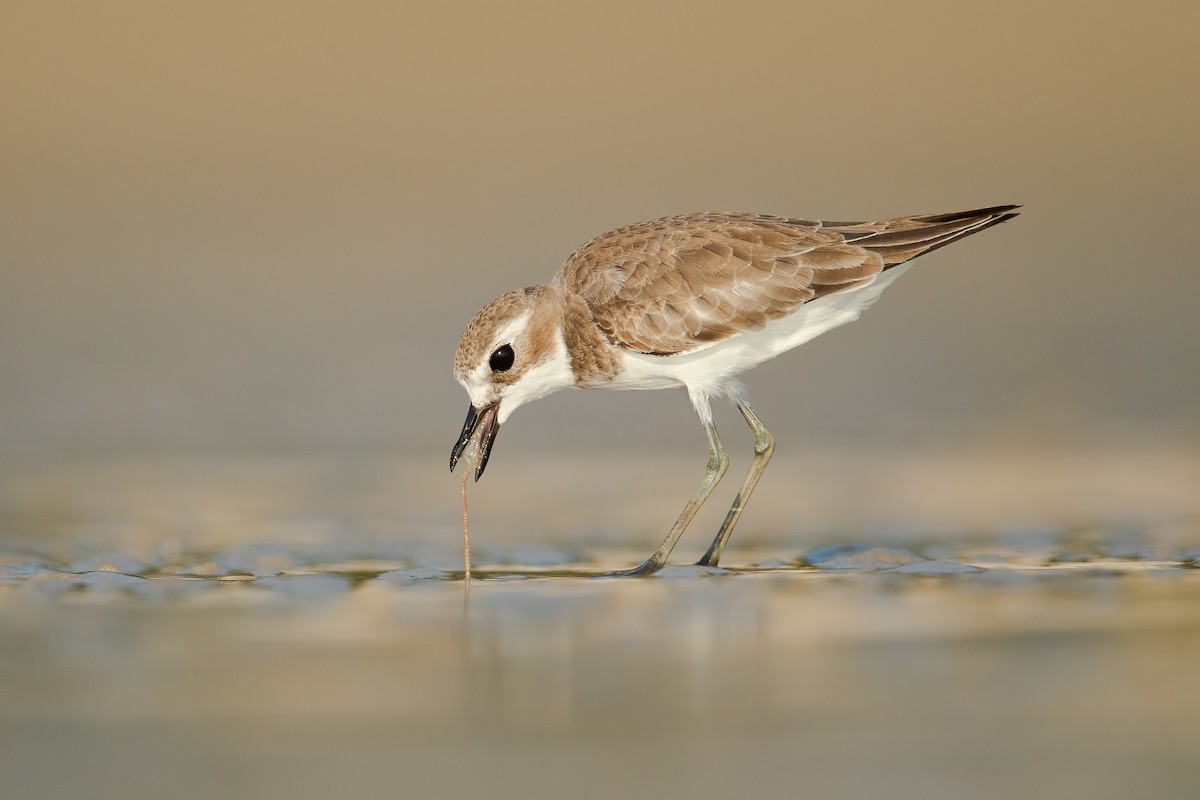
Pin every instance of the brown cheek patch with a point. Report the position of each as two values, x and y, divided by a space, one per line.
537 341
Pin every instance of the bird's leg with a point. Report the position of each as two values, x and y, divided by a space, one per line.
764 446
718 463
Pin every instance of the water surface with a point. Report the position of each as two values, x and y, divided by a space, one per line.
271 628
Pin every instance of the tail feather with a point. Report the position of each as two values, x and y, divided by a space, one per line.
904 238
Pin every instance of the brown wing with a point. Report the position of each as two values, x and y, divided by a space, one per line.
674 284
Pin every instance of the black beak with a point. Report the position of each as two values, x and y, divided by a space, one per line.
484 420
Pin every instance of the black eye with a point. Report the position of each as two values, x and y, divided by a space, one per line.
502 359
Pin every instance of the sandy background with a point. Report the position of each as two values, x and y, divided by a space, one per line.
260 227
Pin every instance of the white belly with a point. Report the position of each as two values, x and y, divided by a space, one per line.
709 369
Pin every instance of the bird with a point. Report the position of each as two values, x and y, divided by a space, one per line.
689 301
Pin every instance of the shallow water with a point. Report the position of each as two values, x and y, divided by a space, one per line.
301 628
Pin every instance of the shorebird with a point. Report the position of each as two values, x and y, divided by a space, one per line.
690 301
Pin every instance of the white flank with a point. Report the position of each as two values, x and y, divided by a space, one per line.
712 369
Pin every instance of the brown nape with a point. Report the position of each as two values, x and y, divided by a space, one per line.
541 334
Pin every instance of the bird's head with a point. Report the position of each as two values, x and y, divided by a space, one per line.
511 352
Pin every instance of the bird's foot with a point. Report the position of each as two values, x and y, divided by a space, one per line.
647 567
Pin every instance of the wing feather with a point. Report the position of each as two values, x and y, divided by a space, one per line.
671 285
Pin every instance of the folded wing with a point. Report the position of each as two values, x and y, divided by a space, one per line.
675 284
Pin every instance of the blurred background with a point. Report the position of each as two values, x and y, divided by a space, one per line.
260 227
238 244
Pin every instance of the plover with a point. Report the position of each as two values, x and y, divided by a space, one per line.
690 301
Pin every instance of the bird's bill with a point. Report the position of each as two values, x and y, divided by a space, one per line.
485 422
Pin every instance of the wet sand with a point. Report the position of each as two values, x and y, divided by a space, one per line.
265 628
